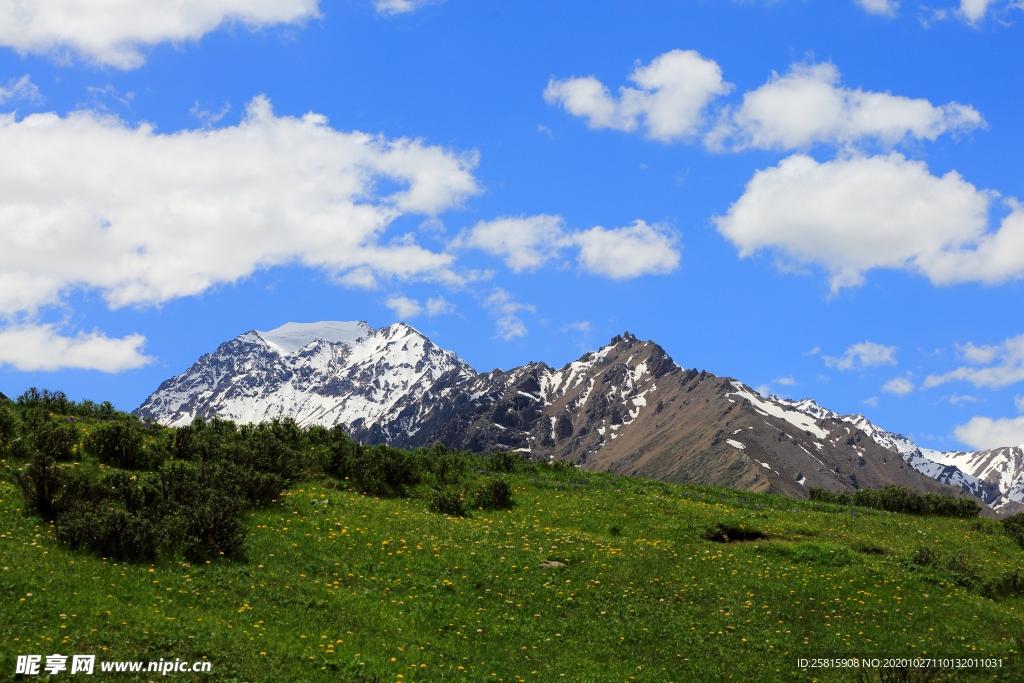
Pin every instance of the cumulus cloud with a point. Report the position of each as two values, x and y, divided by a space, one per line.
407 308
901 386
808 106
973 11
854 214
984 433
583 326
873 401
628 252
21 89
525 242
158 217
393 7
1008 370
882 7
669 102
501 305
112 33
529 242
439 306
32 348
865 354
785 381
403 306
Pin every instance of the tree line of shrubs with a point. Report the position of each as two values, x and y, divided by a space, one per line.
183 491
900 499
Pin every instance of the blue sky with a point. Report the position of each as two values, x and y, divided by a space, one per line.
818 199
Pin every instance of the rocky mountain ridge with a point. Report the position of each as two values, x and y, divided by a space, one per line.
627 408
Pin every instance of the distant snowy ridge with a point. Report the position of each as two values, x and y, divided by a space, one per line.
995 476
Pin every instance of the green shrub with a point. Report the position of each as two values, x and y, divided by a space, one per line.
261 450
495 495
11 445
1008 583
448 467
120 443
59 440
449 500
901 499
337 461
48 488
384 471
206 528
1014 527
108 531
506 461
8 424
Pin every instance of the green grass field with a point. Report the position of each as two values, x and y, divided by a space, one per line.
338 586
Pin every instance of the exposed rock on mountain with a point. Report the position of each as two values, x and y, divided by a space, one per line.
626 408
319 373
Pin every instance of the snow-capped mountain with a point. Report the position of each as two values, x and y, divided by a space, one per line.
627 408
996 476
318 373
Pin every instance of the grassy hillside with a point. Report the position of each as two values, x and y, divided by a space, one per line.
661 582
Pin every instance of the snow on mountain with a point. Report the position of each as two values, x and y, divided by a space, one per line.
627 407
995 476
291 337
318 373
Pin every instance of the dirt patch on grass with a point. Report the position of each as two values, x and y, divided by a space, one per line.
733 533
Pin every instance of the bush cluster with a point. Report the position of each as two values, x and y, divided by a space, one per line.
183 491
1014 527
901 499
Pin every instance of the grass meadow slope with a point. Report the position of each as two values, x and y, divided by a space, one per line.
437 566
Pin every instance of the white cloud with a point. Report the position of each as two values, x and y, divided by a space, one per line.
984 433
529 242
112 33
812 352
21 89
439 306
763 390
901 386
973 11
629 252
393 7
501 305
583 326
865 354
158 217
525 242
785 381
404 307
207 117
978 355
673 91
882 7
1009 370
1019 402
851 215
956 399
873 401
807 106
32 348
